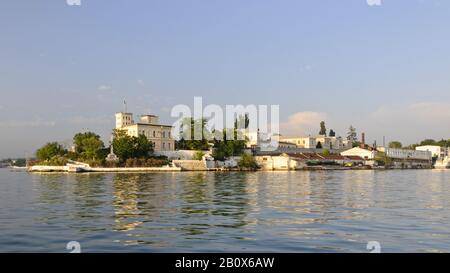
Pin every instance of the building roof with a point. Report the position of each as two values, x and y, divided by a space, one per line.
146 115
354 157
285 142
148 124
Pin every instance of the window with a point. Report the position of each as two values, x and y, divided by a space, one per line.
164 135
164 145
154 134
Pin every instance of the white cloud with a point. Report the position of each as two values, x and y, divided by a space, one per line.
411 122
140 82
374 2
421 112
306 68
302 123
431 111
104 87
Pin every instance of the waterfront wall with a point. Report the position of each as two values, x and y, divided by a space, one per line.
180 154
77 169
191 165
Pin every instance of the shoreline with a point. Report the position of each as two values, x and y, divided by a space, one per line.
86 169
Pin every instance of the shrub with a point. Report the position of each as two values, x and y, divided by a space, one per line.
54 161
198 155
49 151
145 162
248 162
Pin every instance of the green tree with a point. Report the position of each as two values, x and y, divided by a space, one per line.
428 142
326 152
123 145
142 146
126 146
49 151
88 145
356 143
395 144
352 136
231 146
443 143
194 135
323 129
332 133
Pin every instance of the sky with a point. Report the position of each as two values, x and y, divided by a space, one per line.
382 68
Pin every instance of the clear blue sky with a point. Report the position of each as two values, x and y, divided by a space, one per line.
384 69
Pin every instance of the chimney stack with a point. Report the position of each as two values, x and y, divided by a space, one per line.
363 140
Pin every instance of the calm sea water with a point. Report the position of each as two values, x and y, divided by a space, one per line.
334 211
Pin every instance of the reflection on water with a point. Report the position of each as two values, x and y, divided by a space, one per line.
329 211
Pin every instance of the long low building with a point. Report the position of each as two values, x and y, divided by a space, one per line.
296 161
436 151
406 154
397 158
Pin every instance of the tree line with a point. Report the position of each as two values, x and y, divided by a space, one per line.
89 148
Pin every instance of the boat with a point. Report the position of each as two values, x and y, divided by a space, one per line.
442 163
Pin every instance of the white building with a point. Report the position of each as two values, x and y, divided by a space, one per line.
336 143
302 142
160 135
436 151
406 154
264 141
279 162
363 153
286 145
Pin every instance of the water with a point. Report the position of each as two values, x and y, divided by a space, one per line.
333 211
